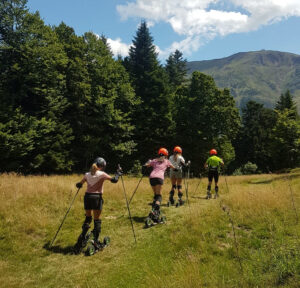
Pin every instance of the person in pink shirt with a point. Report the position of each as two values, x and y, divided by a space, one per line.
157 176
93 201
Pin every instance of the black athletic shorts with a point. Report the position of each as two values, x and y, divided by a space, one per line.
93 201
156 181
213 174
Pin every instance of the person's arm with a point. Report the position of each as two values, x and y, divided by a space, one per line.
206 164
148 163
79 184
117 175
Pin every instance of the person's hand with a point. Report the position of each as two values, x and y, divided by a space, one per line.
119 171
79 185
188 163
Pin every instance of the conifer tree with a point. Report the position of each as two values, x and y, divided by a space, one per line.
153 118
176 68
286 102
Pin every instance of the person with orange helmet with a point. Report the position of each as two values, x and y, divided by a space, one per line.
159 166
176 175
213 164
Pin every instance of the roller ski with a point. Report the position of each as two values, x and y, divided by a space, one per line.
155 217
180 203
95 246
81 243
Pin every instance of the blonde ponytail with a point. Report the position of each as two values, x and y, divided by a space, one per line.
94 168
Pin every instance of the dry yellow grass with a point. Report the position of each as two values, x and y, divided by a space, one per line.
195 248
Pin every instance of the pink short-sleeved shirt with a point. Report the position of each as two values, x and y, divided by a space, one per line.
159 168
95 182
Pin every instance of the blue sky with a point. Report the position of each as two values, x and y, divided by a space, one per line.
201 29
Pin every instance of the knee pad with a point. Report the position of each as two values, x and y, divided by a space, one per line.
216 188
158 198
173 186
208 188
179 187
180 194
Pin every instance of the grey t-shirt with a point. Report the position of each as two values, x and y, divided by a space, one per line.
178 162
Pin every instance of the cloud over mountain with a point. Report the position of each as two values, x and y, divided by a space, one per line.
199 21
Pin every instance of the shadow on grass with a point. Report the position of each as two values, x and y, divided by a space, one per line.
68 250
138 219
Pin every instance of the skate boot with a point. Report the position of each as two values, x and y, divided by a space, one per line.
171 198
180 201
81 242
84 236
216 192
208 196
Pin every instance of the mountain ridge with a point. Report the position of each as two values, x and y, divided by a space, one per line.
261 76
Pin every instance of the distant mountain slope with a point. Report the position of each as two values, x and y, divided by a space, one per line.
261 75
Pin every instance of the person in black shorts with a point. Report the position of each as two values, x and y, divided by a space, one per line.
93 201
159 166
213 164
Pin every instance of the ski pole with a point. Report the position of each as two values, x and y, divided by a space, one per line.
64 219
135 189
198 184
127 204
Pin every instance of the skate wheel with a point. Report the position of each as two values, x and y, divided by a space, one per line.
148 222
90 250
106 240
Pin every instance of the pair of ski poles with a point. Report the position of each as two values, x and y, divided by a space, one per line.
127 204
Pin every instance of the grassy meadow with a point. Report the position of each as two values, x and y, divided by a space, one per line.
249 237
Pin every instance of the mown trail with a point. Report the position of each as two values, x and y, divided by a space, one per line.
195 248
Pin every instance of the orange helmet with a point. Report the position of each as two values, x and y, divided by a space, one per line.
213 152
163 152
177 149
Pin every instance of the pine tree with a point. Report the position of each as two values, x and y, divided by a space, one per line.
286 102
153 118
176 69
256 137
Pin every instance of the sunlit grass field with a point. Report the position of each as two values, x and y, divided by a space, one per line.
249 237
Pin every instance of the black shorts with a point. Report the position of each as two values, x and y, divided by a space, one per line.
93 201
156 181
213 174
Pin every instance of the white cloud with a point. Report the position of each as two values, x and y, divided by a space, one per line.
117 47
201 20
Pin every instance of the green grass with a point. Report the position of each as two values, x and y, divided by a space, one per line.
195 248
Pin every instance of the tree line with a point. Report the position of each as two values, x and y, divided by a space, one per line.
65 99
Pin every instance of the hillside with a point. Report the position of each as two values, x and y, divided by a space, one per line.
249 237
261 75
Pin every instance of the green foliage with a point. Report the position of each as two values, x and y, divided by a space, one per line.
31 145
136 169
286 144
255 138
176 68
206 118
